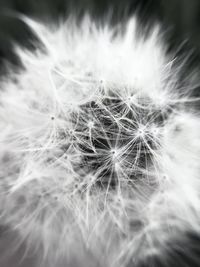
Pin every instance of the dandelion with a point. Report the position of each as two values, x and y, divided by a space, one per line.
99 150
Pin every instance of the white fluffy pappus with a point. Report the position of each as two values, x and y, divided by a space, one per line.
99 146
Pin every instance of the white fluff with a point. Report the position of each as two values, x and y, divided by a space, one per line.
46 196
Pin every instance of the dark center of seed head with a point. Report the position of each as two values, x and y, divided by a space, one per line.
115 126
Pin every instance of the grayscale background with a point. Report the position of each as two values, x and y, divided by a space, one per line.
180 20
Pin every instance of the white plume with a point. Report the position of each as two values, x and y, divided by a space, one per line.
99 144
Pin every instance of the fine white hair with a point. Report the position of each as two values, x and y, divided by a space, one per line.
99 144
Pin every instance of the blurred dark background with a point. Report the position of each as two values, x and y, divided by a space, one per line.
180 20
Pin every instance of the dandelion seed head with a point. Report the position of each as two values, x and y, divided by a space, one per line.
98 148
